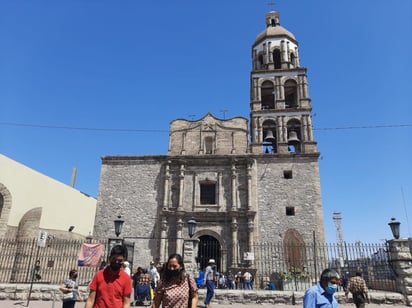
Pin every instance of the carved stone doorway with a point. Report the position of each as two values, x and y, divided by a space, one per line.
209 248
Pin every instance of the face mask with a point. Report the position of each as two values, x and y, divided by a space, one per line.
332 288
115 266
173 273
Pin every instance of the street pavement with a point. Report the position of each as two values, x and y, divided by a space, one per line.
50 304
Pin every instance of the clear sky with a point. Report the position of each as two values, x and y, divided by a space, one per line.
84 79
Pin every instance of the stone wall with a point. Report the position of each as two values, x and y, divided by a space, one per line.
275 192
133 188
19 292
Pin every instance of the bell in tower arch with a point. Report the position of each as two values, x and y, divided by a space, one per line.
269 142
293 137
293 142
269 137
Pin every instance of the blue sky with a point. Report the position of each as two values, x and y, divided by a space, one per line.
84 79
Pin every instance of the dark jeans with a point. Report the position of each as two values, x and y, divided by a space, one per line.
142 290
210 286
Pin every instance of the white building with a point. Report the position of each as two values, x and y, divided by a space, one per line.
31 201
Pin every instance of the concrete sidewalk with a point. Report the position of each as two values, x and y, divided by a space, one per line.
58 304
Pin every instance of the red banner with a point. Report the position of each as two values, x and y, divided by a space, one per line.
90 255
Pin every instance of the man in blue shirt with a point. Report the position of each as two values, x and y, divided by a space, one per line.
321 294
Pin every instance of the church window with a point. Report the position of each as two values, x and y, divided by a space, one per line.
290 211
208 192
293 59
291 94
276 59
208 145
260 62
268 95
287 174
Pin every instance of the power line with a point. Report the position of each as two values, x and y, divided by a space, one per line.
85 128
162 130
365 127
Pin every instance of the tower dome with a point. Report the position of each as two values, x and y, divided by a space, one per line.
273 28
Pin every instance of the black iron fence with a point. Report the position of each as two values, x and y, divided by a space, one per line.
23 261
296 267
283 266
274 265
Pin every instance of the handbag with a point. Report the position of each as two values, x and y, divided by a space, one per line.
68 296
190 293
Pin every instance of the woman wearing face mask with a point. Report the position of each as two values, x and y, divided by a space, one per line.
70 290
175 287
321 294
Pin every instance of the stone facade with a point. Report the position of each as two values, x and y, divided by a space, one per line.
243 184
208 135
157 195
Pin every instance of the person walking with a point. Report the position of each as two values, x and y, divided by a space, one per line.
70 289
247 280
111 287
357 286
221 282
230 280
175 289
239 281
126 268
142 288
154 274
321 294
345 280
210 273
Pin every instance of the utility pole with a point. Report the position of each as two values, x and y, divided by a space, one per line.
337 218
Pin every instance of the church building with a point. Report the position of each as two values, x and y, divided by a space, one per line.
245 182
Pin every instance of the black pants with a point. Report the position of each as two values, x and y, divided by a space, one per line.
69 304
359 300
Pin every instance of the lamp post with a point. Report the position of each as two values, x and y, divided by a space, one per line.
395 227
190 250
118 225
113 241
191 224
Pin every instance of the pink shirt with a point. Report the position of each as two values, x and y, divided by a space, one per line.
176 296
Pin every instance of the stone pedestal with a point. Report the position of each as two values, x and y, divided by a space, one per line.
190 250
401 260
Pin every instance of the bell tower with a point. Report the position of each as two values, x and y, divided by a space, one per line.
280 107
